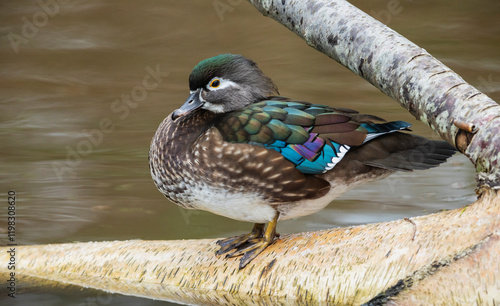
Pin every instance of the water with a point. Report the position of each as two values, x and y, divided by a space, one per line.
76 153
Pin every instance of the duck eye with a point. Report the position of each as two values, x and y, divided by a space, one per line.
215 83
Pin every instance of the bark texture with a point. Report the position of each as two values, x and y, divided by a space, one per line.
375 263
432 92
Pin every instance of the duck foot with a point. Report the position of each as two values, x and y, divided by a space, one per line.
234 242
249 245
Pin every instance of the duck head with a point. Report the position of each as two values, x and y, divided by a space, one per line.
225 83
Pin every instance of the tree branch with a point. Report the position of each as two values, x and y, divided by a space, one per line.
423 85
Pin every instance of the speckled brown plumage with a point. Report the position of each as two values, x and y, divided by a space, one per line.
190 153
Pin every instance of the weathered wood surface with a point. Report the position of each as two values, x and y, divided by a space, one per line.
423 85
344 266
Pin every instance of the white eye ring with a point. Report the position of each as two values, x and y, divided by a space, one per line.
220 83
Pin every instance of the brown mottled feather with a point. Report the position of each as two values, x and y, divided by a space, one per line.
265 172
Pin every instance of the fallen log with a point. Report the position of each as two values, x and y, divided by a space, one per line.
403 260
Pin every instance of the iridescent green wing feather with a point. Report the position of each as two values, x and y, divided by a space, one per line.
313 137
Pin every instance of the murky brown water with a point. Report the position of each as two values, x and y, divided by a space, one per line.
76 153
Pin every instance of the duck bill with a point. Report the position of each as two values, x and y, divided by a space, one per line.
192 103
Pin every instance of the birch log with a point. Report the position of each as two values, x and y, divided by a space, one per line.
439 259
432 92
448 258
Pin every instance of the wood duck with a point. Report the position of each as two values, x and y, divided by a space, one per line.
237 149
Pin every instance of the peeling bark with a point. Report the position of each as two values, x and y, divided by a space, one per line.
373 264
428 89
